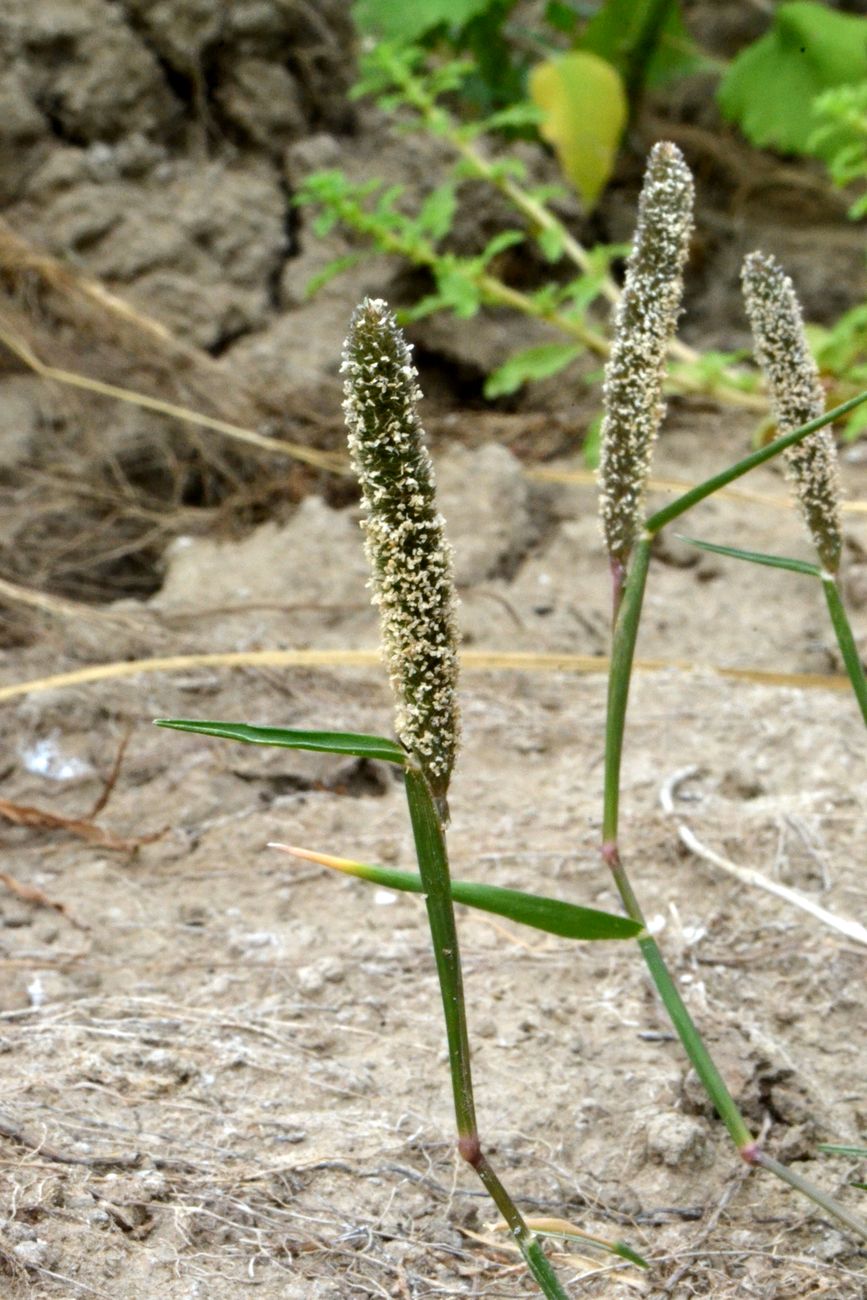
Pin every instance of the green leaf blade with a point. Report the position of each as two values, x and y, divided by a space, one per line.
531 363
755 557
567 920
350 743
843 1149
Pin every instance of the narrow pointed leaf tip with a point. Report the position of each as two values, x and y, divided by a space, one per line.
350 743
644 325
541 913
410 559
797 397
754 557
548 1227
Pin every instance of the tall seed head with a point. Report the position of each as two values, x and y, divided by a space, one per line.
410 559
797 397
644 325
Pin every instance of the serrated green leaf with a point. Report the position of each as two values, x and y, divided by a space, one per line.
837 349
533 363
498 244
755 557
329 272
324 223
582 292
425 306
327 742
437 212
508 169
584 104
458 290
770 87
549 914
515 115
550 241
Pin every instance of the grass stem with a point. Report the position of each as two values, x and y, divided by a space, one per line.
815 1194
846 641
433 866
693 1043
628 617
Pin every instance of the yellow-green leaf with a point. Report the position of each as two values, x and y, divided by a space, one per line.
585 110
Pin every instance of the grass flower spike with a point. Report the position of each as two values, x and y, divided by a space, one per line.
410 559
644 326
797 396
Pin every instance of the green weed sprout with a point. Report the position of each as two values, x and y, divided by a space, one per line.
649 309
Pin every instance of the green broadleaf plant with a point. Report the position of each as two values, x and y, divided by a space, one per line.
539 362
771 87
842 137
399 78
404 81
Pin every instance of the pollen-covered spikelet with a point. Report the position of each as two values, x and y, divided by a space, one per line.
644 324
410 559
797 397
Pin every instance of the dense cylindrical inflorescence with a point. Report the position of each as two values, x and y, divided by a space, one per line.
644 326
797 397
410 559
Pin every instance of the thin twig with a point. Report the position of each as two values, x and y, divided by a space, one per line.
320 459
113 1160
748 875
471 661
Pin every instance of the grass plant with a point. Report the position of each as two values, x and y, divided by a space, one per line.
411 568
633 381
412 585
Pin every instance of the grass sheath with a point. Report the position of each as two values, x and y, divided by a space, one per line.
846 641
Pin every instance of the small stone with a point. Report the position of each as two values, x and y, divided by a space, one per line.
34 1254
674 1139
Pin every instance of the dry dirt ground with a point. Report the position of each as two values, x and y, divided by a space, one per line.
223 1072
